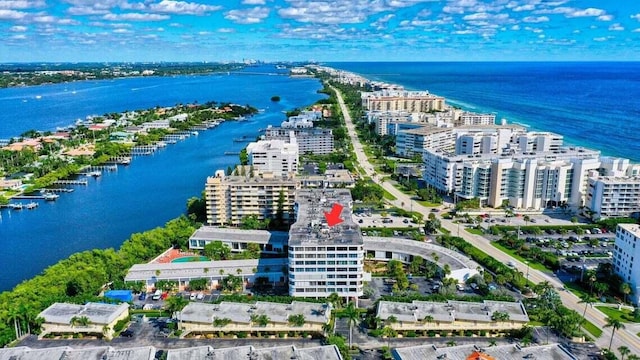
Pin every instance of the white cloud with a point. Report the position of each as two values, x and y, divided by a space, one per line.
515 27
464 32
636 16
19 37
182 8
86 10
18 28
253 2
135 17
616 27
122 31
476 16
535 19
601 39
605 17
21 4
226 30
12 14
527 7
586 12
248 16
636 30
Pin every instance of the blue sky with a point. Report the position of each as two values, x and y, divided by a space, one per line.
338 30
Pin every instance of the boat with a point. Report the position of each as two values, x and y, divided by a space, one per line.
16 206
161 144
194 133
32 205
38 97
50 196
96 173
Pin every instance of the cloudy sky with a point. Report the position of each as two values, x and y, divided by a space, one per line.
329 30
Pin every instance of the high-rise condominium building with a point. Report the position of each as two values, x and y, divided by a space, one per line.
325 259
626 258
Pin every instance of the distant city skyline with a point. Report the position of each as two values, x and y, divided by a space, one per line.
299 30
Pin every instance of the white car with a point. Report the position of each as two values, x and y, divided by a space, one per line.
192 297
200 296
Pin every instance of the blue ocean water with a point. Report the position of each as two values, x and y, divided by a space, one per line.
592 104
153 189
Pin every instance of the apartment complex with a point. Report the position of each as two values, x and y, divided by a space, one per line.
626 258
230 198
309 140
469 118
325 259
91 318
402 100
611 196
453 315
276 156
412 142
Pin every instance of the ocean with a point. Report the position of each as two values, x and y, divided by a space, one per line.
592 104
153 189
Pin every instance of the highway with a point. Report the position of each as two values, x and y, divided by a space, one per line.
622 336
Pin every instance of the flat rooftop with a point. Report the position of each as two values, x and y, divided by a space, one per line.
563 154
97 353
328 352
212 233
98 313
451 310
311 225
241 313
501 352
634 229
203 269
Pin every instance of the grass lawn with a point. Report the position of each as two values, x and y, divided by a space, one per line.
534 265
444 231
427 203
592 329
576 289
616 314
389 196
474 231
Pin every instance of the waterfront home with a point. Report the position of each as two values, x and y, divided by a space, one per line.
452 315
121 136
273 242
34 144
257 317
91 318
10 184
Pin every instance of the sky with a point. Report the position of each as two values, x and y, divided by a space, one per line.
329 30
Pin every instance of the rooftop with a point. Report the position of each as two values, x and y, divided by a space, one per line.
634 229
329 352
451 310
311 225
196 269
98 313
241 312
98 353
212 233
501 352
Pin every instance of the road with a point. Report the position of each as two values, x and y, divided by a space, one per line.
623 336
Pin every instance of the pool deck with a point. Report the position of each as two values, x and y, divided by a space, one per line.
171 255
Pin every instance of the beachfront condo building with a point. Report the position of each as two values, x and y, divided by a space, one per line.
502 164
309 140
276 156
613 196
465 118
325 259
229 199
402 100
626 258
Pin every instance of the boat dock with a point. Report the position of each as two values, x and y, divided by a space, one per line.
71 182
143 149
122 160
68 190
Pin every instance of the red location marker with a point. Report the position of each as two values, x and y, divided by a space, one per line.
333 217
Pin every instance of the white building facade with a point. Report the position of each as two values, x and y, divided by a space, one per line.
276 156
626 258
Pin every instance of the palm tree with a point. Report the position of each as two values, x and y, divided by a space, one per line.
614 324
14 314
492 342
625 288
633 357
451 343
624 351
587 300
428 319
351 313
335 300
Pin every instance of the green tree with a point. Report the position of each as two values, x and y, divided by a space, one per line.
296 320
335 300
244 157
351 313
624 351
614 324
217 250
625 289
587 300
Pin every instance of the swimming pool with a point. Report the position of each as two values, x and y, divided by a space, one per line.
190 259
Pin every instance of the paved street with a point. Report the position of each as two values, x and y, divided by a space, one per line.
623 336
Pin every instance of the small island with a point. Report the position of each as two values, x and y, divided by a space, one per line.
275 98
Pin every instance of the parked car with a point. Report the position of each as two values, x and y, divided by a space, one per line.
193 296
142 296
157 295
200 296
127 333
